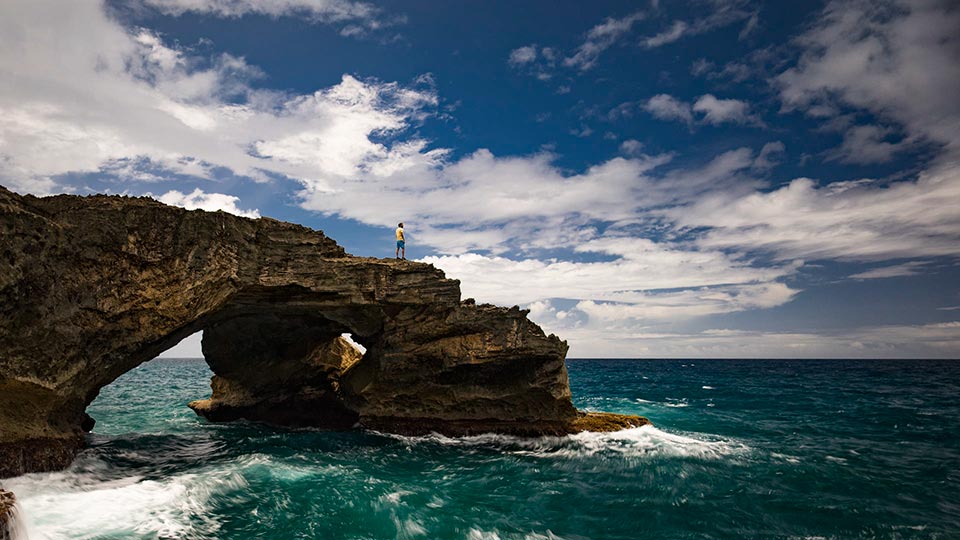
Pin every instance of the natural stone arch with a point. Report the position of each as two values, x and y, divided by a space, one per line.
92 287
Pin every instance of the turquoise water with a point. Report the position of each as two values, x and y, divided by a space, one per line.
741 449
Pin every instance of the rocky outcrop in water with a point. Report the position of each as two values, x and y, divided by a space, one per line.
91 287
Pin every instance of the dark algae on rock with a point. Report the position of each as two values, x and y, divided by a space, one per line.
91 287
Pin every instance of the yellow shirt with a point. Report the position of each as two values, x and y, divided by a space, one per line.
399 233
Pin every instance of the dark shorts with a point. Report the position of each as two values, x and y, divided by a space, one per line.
399 244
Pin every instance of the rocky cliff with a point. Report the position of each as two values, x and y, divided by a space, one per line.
91 287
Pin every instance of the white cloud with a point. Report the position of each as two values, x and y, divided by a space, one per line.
862 220
600 38
646 284
646 290
211 202
638 265
537 62
709 108
867 144
911 268
701 66
749 27
733 71
718 111
676 306
631 147
675 32
523 197
770 155
940 340
667 107
92 96
722 13
896 59
523 55
327 11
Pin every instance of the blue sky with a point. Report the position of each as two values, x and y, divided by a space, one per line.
651 179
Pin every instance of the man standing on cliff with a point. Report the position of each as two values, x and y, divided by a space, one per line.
401 245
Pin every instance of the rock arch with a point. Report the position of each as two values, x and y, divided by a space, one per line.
91 287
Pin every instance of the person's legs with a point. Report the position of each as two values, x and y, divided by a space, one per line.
403 251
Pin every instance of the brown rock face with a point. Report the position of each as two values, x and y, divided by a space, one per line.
91 287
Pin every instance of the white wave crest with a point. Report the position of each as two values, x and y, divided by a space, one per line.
641 442
479 534
76 504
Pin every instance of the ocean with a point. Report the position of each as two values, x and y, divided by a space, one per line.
805 449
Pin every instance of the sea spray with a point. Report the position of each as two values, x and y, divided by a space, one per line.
12 523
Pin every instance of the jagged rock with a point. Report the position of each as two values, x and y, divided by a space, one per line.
91 287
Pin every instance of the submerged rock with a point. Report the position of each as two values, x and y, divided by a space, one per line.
91 287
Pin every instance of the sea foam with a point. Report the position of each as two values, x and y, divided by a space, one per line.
641 442
76 504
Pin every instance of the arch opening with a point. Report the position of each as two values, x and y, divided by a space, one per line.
286 367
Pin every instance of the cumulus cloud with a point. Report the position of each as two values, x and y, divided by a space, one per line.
667 107
718 111
708 108
539 62
522 55
211 202
94 96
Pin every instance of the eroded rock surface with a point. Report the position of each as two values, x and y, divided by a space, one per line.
91 287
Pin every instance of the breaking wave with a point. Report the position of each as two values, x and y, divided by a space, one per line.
81 503
641 442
